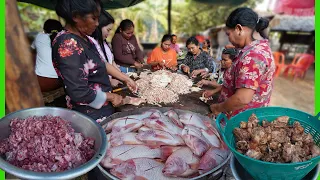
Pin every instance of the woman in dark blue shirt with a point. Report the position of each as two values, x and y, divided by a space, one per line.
79 65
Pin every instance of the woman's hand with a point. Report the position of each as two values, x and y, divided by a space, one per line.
204 74
215 109
138 65
203 83
115 82
162 63
115 99
208 93
186 69
173 68
131 85
195 73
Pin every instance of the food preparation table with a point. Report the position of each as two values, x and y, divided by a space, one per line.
189 101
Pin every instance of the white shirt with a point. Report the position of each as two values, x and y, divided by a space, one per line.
108 52
44 66
107 49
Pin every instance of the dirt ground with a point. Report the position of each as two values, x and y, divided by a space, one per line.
298 94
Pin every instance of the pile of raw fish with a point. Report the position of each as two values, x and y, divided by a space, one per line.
155 145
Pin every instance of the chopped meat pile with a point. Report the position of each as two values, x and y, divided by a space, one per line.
276 141
45 144
162 86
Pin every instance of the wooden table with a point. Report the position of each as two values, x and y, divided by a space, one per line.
189 102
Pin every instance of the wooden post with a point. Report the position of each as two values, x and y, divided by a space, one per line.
22 88
169 16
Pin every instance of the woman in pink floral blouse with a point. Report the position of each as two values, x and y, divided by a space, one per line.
249 82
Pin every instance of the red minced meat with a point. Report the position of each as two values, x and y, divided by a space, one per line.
45 144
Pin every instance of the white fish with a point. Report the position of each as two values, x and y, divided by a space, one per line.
166 151
181 163
149 113
144 128
157 138
194 139
125 152
174 117
163 124
212 137
193 119
108 163
108 140
127 125
140 169
126 138
212 158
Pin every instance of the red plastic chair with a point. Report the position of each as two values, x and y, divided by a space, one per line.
299 66
280 62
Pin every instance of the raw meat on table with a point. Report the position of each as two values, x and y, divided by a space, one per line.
133 101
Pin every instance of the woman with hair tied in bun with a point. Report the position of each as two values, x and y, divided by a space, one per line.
79 65
249 82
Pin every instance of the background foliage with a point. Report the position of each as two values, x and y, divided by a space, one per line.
149 17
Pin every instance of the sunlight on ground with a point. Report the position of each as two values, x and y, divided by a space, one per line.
297 94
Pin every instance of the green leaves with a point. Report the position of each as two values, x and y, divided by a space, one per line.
33 17
150 17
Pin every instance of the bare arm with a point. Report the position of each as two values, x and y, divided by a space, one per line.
121 76
114 64
240 99
116 73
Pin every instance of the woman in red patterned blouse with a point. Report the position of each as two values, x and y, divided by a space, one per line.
249 82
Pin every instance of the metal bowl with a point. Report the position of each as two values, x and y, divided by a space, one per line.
81 123
214 174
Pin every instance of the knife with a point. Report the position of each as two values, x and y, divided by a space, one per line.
120 89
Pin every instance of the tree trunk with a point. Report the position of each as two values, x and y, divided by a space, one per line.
169 16
22 88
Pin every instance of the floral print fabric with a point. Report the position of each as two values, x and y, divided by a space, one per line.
254 69
83 73
202 61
